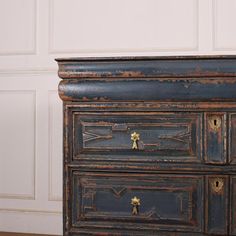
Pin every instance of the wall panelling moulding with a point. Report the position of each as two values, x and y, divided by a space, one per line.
17 138
55 147
19 37
224 35
116 26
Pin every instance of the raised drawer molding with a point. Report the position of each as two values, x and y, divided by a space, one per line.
149 145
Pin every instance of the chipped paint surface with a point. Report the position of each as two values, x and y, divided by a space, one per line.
148 67
183 169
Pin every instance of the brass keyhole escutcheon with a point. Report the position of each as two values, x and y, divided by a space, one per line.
217 185
135 138
135 202
215 123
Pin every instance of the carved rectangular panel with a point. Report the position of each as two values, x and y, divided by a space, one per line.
217 205
215 137
162 136
168 201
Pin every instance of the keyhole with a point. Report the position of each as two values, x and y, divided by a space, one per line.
215 122
217 185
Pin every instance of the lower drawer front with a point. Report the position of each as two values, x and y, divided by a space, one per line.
165 202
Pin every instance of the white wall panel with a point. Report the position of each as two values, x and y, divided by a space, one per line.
17 27
55 147
17 139
24 177
224 25
125 25
32 221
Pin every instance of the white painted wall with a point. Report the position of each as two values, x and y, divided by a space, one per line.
32 34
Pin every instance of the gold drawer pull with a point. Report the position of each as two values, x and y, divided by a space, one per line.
135 202
135 138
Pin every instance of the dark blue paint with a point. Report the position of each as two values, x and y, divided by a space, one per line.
140 90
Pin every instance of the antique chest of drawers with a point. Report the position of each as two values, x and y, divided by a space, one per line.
149 145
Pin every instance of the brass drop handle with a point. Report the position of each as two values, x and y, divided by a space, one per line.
135 202
135 138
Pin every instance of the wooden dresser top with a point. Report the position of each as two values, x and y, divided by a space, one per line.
182 78
147 67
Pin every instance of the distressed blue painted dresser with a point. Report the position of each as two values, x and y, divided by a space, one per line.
149 145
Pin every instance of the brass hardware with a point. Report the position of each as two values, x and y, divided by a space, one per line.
135 138
135 202
215 123
217 185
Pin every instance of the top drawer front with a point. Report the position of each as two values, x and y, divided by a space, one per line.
162 136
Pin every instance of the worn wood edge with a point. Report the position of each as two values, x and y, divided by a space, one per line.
23 234
120 58
150 106
147 67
